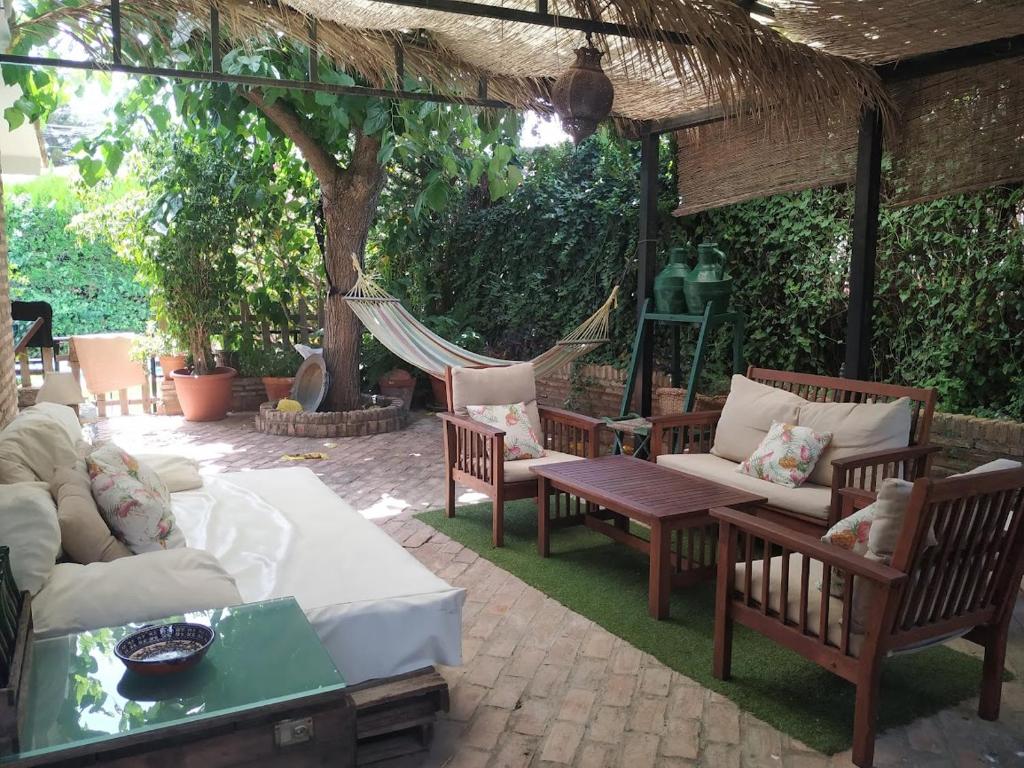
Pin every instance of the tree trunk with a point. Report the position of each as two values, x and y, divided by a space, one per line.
350 205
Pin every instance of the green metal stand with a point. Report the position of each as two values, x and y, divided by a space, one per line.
706 322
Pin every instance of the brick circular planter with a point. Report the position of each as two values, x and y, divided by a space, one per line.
367 421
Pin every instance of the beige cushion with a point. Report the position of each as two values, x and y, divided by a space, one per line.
996 465
63 415
808 499
150 586
856 428
84 535
749 412
178 473
28 526
519 469
32 448
497 386
835 610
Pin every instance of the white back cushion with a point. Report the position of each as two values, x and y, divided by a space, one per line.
856 428
502 385
749 412
28 526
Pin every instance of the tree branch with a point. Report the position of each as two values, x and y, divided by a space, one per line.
320 160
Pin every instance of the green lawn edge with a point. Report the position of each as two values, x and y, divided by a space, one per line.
607 583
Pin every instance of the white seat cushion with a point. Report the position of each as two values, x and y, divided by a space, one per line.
281 532
808 499
835 609
518 470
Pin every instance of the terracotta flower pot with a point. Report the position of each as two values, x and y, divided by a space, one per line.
278 387
170 363
204 398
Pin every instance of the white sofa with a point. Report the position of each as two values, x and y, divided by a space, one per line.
260 535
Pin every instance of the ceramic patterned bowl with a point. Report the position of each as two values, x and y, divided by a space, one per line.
163 649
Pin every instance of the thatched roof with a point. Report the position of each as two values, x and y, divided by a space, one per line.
732 59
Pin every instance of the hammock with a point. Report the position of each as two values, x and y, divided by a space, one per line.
393 326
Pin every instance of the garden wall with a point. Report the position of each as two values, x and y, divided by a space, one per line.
8 394
967 441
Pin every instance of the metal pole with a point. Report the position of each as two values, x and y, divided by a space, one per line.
646 249
115 29
215 38
865 242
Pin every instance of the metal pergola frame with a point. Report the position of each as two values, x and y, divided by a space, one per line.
869 155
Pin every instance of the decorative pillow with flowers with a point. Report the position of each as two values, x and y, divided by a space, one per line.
133 500
521 442
787 454
851 533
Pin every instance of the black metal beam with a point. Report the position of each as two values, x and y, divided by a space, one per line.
865 240
952 59
518 15
647 247
115 29
215 38
251 80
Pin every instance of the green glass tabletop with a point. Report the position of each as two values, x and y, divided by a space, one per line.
81 694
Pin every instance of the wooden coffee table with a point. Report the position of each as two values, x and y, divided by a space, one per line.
617 489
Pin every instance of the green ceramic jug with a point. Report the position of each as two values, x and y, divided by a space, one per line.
669 285
707 281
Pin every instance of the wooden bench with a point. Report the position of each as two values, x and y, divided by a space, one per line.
695 433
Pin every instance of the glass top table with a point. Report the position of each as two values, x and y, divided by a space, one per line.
80 694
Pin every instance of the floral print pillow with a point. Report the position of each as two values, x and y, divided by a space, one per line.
521 442
133 500
850 533
787 454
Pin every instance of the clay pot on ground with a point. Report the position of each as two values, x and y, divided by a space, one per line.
170 363
204 398
278 387
398 383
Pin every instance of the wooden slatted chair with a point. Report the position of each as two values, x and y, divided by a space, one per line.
474 452
965 584
676 434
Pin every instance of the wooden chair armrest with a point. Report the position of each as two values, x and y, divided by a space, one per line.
809 546
470 424
694 418
854 499
569 417
876 458
680 424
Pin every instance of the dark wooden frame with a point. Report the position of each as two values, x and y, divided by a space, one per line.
474 455
695 433
966 583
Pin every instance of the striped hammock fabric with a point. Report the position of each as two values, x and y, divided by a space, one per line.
393 326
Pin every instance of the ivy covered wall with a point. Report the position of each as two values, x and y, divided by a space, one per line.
949 308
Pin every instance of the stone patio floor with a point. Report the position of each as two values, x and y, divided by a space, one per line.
541 685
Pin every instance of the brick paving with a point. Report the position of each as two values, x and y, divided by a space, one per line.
541 685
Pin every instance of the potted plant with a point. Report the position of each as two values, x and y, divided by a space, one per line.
276 367
160 344
190 247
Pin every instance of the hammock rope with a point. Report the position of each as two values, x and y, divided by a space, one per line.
394 327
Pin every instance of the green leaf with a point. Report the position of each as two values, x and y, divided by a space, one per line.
14 117
436 195
377 118
325 98
450 166
112 157
476 171
160 115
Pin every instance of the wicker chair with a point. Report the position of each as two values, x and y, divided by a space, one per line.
966 584
473 452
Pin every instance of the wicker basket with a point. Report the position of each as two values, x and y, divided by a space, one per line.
670 400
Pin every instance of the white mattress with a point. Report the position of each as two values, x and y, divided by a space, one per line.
282 532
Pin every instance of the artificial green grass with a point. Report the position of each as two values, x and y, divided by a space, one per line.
607 583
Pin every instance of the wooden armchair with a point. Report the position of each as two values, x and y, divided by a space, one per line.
474 452
966 584
695 433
